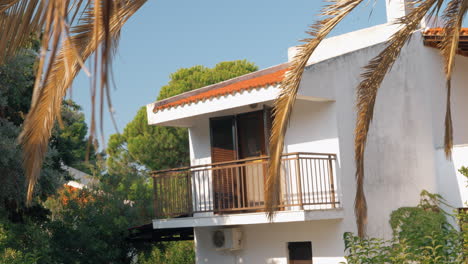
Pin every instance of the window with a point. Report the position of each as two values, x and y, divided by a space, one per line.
300 252
242 136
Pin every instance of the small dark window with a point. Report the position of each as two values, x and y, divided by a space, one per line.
300 252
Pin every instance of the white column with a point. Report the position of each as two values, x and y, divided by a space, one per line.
396 9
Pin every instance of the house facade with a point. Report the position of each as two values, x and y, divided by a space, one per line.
221 195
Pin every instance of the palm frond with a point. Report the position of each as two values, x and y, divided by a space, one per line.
19 20
5 4
453 18
84 40
334 13
373 76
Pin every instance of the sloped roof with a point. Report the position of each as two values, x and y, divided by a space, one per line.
258 79
434 36
274 75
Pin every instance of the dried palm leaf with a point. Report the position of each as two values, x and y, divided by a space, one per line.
5 4
18 21
334 13
453 16
97 29
373 76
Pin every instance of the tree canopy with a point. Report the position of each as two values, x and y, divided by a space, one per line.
16 84
187 79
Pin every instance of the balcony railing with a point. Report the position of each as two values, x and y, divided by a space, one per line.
308 182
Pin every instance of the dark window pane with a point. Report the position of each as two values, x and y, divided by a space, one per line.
251 134
300 251
221 133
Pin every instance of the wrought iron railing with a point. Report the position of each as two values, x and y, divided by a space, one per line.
308 182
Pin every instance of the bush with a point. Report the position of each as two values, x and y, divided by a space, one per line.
8 253
11 256
421 235
181 252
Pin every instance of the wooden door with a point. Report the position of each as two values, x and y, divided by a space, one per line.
223 148
235 138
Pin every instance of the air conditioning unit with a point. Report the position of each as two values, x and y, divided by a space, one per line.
227 239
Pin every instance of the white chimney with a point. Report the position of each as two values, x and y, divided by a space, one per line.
397 9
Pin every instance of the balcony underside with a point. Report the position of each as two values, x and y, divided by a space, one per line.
148 234
248 218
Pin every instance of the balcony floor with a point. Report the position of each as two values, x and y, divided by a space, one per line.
208 219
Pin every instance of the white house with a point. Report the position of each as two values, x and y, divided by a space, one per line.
80 179
221 196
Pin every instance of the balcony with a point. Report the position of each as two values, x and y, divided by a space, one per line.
308 182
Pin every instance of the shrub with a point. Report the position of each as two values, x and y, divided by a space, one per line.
181 252
421 235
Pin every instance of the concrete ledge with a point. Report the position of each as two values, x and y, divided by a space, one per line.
248 219
356 40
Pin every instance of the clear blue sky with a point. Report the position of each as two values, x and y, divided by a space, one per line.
166 35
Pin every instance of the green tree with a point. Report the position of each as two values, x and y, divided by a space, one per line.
16 85
90 227
9 255
149 146
68 145
187 79
70 140
26 232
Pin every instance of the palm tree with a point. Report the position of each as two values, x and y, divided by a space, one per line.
71 32
74 31
374 74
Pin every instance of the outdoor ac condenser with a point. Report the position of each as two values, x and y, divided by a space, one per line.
227 239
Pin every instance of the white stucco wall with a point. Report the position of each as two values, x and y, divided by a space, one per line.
312 128
346 43
459 99
199 142
267 243
452 185
401 157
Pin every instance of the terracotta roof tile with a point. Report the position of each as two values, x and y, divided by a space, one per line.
433 37
245 84
440 32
